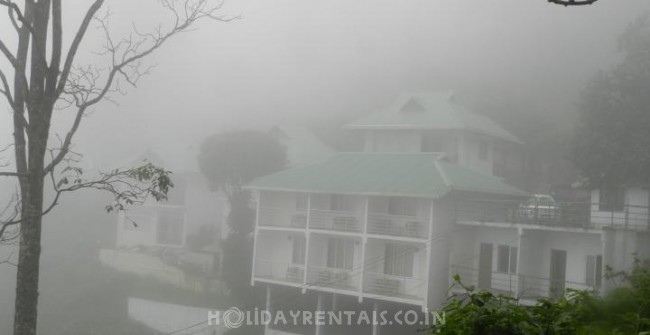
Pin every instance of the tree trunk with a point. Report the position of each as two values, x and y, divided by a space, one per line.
26 306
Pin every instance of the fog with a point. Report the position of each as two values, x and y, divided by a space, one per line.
316 64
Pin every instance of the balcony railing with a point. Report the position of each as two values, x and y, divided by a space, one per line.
394 286
281 271
560 214
532 287
499 283
398 225
517 285
335 220
346 279
282 217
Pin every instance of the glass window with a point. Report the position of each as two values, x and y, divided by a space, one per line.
506 259
298 256
594 272
398 260
340 253
301 201
612 199
344 203
403 206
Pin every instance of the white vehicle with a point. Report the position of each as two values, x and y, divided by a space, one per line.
541 207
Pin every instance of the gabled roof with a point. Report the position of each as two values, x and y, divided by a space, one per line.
397 174
303 147
437 110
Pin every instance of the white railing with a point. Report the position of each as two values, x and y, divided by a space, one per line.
521 286
282 217
399 225
532 287
333 277
335 220
394 286
281 271
499 282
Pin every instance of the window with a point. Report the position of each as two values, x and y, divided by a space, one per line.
301 201
483 150
170 228
340 253
344 203
594 273
298 256
507 259
612 199
403 206
398 260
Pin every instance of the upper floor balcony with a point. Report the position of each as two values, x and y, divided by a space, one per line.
552 213
388 216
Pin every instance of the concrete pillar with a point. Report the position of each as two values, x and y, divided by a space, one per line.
375 326
319 307
267 307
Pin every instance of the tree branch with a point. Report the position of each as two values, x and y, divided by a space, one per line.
567 3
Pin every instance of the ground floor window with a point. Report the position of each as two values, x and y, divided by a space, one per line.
507 259
594 272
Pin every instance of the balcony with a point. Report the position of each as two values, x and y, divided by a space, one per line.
557 214
282 217
398 225
394 286
498 283
532 287
516 285
337 278
279 271
335 220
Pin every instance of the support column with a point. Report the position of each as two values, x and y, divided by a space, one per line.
255 235
319 307
267 307
520 233
375 326
428 260
307 238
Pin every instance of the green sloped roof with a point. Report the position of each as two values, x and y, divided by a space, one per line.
398 174
436 110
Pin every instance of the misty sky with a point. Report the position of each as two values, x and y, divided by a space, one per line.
294 60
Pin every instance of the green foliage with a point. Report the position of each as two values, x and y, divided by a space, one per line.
229 160
612 142
624 310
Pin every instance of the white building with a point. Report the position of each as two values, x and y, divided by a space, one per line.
395 223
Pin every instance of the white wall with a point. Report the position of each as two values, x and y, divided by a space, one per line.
577 246
469 152
636 211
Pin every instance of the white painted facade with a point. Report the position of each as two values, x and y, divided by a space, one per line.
191 204
488 244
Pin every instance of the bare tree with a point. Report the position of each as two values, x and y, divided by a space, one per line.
46 78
